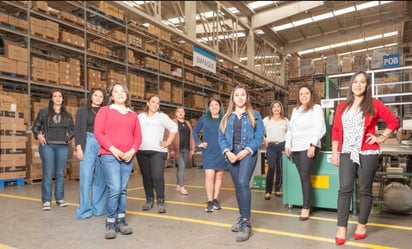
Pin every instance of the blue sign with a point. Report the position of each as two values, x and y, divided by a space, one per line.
391 61
204 59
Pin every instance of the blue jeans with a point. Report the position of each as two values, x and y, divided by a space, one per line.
92 196
53 158
117 175
241 173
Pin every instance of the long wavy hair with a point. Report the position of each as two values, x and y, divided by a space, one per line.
366 104
89 98
313 99
282 111
208 114
146 108
50 109
231 108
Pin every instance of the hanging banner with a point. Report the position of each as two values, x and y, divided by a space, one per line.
204 59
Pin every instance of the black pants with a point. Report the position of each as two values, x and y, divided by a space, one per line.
348 171
274 157
152 167
304 164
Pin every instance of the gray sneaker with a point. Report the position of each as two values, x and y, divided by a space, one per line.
236 226
244 231
46 206
122 226
148 205
209 207
61 203
110 230
216 205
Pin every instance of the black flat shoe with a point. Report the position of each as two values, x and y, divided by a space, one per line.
303 218
267 197
278 194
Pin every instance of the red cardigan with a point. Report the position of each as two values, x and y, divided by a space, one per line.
381 111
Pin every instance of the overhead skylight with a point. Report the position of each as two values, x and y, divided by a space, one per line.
259 32
355 41
259 4
233 10
329 15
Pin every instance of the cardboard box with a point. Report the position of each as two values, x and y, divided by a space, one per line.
16 52
7 65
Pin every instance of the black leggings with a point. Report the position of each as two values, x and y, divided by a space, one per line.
304 164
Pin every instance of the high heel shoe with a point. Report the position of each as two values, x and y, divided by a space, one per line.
358 236
303 218
340 241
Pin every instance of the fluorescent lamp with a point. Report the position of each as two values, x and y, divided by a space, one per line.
390 34
344 11
356 41
367 5
258 4
302 22
323 16
282 27
374 37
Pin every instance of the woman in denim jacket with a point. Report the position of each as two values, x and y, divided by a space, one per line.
240 136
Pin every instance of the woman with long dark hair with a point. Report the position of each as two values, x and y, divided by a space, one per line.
355 150
92 183
53 127
306 128
213 162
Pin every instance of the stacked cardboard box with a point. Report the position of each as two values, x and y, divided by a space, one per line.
112 76
320 89
134 40
94 79
38 69
111 10
332 64
293 67
136 85
177 95
306 68
347 64
165 90
319 67
12 140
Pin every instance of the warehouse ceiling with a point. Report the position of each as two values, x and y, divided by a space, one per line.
308 29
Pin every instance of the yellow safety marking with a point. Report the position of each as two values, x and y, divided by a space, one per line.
6 247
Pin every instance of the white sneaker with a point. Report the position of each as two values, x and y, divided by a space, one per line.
61 203
47 206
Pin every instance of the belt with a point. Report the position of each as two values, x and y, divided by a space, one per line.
276 142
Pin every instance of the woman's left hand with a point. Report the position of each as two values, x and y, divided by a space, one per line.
242 154
128 155
311 151
372 139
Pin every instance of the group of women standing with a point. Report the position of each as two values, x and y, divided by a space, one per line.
109 136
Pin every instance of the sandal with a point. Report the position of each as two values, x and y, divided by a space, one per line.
177 188
183 191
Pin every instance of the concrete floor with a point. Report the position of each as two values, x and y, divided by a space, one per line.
185 225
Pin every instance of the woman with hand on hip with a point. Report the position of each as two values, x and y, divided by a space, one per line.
158 133
240 136
276 126
92 186
117 129
355 150
306 128
213 161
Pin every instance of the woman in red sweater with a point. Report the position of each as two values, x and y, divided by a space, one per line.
355 150
117 129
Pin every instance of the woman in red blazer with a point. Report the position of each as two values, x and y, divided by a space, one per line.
355 150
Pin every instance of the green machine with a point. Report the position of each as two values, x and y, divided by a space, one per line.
325 182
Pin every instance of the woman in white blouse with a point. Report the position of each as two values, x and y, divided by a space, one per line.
306 128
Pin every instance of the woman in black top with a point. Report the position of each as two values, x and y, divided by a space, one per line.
53 128
92 196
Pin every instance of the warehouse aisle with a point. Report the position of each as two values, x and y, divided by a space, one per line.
185 225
